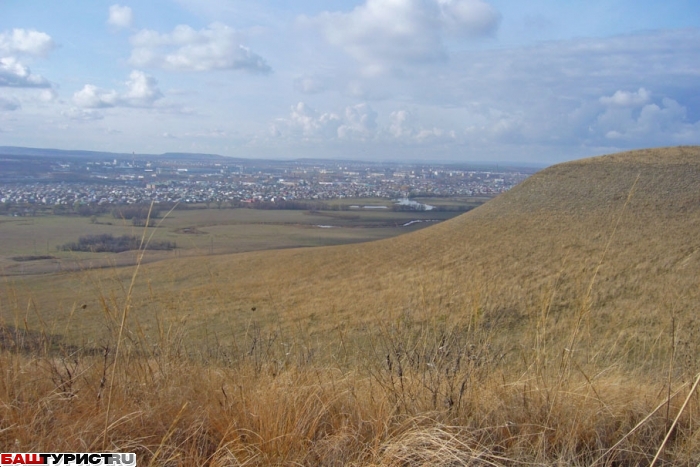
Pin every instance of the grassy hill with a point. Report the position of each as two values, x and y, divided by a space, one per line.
555 324
544 241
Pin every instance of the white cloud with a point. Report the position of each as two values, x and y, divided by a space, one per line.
305 120
354 123
92 97
627 99
360 123
15 74
28 42
435 135
22 42
565 96
383 33
120 16
82 115
217 47
399 126
404 127
357 124
8 104
633 117
142 91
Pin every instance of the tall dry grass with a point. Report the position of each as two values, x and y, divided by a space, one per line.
414 391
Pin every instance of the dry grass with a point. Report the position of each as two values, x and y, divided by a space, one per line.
555 325
416 394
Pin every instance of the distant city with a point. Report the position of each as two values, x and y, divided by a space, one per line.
70 180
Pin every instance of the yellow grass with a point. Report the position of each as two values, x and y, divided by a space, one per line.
555 325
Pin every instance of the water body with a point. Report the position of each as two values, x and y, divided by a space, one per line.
419 220
415 221
414 204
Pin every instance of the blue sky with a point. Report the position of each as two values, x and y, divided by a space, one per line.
446 80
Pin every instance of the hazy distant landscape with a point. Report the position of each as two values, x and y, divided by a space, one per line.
204 204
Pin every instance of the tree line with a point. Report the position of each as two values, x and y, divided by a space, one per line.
111 244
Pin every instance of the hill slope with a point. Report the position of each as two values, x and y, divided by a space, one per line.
543 244
546 235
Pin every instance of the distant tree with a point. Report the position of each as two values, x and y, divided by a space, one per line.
109 243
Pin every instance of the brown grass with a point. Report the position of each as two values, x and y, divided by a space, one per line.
554 325
414 395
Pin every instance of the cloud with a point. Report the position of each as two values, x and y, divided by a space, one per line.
403 126
82 115
571 96
384 33
142 91
557 100
310 124
15 74
120 16
48 95
632 117
565 73
217 47
17 42
360 123
468 17
7 105
91 97
356 124
399 126
27 42
309 85
627 99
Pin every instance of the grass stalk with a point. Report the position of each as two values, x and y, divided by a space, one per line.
675 421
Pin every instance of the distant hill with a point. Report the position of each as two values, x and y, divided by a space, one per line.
97 155
45 152
276 163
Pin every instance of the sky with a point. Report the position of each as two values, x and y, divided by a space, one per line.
537 81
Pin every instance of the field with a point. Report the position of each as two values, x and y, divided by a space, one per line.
201 231
554 325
